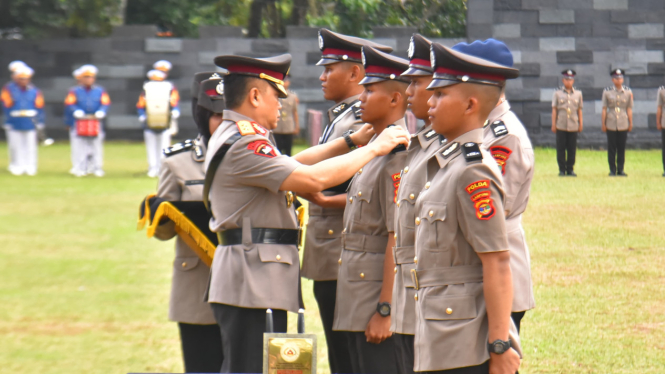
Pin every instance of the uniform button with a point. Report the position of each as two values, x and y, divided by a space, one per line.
184 264
330 232
395 235
415 259
362 275
431 213
417 220
449 311
360 171
415 297
427 185
360 193
406 170
351 199
343 231
278 257
412 196
395 269
339 261
398 204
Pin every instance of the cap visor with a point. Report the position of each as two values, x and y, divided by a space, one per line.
414 72
440 83
327 61
371 80
281 91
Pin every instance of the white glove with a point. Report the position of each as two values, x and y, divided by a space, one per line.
78 113
142 118
175 114
100 114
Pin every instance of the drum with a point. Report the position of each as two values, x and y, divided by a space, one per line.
88 127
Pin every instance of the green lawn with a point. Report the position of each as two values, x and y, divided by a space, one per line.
81 291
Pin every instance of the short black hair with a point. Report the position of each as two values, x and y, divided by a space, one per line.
236 87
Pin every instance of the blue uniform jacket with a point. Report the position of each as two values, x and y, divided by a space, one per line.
16 101
88 100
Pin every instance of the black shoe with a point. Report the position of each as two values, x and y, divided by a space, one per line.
613 174
622 174
572 174
563 174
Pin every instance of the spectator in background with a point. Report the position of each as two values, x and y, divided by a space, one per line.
288 125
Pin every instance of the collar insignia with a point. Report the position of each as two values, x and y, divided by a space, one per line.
449 150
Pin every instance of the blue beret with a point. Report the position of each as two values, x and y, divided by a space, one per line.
490 50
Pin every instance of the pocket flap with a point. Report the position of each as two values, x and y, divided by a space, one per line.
450 307
325 228
433 211
365 271
186 263
276 253
409 193
363 192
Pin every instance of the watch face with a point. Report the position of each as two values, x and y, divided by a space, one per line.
384 310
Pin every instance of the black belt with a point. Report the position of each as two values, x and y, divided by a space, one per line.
261 236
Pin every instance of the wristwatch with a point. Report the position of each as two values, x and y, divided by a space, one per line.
498 346
383 309
347 139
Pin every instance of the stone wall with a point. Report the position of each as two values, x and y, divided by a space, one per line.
124 58
590 36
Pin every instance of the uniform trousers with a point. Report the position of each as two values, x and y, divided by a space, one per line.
662 134
10 135
325 293
368 358
242 336
404 353
23 150
201 348
616 150
483 368
91 153
74 146
155 142
566 147
284 143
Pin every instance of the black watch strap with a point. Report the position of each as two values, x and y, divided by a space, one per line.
498 346
347 139
383 309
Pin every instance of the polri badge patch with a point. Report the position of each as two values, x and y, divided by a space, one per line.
262 148
501 155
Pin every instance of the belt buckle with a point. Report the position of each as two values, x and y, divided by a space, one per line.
219 238
617 109
414 278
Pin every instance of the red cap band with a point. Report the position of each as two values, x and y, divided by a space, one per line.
212 92
420 61
382 70
341 52
254 70
491 77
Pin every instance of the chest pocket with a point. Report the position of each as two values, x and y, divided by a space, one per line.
363 197
435 226
611 101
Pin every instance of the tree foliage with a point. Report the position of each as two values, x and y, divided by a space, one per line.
261 18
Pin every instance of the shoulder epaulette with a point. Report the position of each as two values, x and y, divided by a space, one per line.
199 154
608 88
245 128
626 88
179 147
472 152
661 88
499 128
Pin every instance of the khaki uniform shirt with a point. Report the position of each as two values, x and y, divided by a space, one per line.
368 218
567 104
286 123
323 238
508 142
181 179
660 103
403 306
616 103
244 194
459 215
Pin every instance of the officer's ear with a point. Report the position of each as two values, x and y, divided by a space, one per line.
254 97
357 72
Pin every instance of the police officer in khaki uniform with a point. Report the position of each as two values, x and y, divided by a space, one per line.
256 265
505 137
567 122
462 278
422 146
365 278
617 121
341 59
181 179
660 115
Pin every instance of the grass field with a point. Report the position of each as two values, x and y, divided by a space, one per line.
82 292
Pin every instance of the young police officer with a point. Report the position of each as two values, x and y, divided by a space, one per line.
341 58
426 141
462 278
567 122
256 264
617 121
365 280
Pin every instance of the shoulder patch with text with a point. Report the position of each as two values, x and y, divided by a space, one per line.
485 183
501 155
397 177
262 148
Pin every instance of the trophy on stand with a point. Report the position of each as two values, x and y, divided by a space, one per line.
288 353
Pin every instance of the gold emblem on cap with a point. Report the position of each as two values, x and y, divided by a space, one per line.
220 88
320 41
215 76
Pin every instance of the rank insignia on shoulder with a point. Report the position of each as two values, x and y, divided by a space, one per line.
450 149
178 147
499 128
338 109
245 128
472 152
262 148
